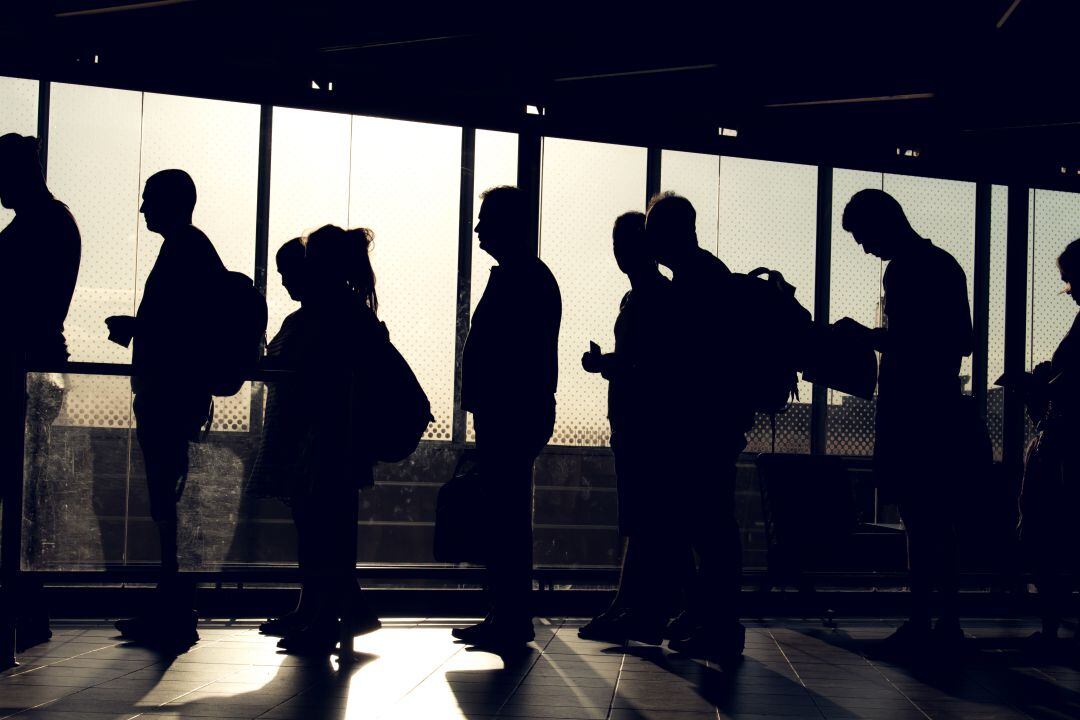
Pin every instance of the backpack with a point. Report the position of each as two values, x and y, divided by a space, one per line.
396 408
236 332
777 330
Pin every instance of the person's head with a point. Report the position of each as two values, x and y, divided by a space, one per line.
1069 266
628 243
503 226
671 228
20 169
878 223
168 200
290 265
338 260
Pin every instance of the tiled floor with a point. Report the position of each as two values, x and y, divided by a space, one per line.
413 669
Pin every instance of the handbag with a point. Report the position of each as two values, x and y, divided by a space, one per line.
460 517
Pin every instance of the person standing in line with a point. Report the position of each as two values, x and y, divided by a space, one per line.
927 334
509 375
42 249
1051 490
172 396
704 429
638 377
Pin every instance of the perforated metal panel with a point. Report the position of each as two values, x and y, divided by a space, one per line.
585 187
18 114
495 163
405 181
995 357
309 188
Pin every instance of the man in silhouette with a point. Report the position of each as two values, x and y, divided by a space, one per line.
704 427
638 374
509 373
172 401
42 249
920 415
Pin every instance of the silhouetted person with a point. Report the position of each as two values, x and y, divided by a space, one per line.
172 396
322 461
927 334
509 374
1051 490
704 427
41 248
639 374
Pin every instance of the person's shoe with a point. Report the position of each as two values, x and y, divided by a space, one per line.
682 626
31 631
176 631
908 640
725 646
365 621
320 639
500 634
1041 644
622 626
949 636
282 626
472 632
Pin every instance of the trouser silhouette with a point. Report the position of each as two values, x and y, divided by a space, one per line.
507 451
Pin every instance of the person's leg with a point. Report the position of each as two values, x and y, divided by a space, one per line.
510 564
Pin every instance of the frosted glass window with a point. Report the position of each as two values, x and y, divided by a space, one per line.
309 188
94 168
18 114
1055 222
697 178
944 212
405 182
995 356
855 292
585 187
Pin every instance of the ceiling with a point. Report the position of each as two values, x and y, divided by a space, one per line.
980 88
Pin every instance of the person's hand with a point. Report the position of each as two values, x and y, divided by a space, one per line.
121 329
593 361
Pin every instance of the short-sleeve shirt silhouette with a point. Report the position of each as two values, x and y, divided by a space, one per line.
510 364
44 249
929 325
174 306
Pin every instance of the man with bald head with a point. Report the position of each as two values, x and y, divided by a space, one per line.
172 399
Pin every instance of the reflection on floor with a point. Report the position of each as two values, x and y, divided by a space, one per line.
413 669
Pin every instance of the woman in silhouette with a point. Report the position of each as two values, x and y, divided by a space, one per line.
327 342
1051 489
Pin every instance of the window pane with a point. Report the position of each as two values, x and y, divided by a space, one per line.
217 143
944 212
767 219
697 178
1055 222
585 187
995 359
855 292
405 186
18 114
494 163
309 188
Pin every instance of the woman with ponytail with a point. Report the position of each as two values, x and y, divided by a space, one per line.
340 331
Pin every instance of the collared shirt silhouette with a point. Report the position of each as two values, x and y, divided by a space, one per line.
509 377
43 249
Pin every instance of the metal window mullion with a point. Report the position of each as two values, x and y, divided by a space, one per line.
653 161
822 262
980 309
44 104
262 242
464 273
1016 270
